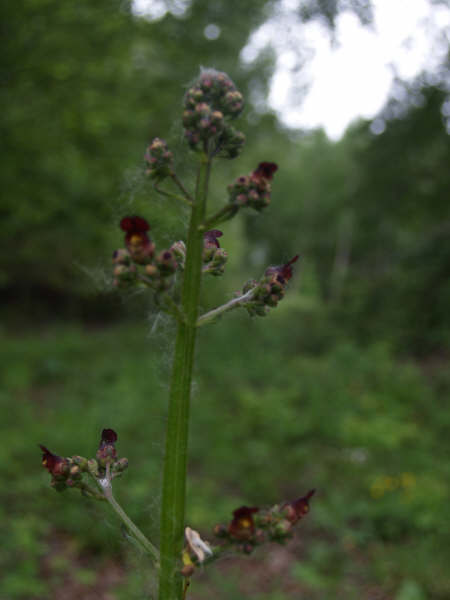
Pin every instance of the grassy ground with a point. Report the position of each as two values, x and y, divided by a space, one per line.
273 415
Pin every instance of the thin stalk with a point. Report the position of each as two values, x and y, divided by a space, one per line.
179 183
220 310
224 214
184 199
175 460
133 529
106 487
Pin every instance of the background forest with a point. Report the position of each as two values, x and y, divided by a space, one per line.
343 388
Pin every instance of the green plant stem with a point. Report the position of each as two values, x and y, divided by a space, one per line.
133 529
224 214
175 461
106 487
212 315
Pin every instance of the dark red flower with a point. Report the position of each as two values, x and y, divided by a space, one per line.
242 525
134 225
286 270
265 170
298 508
109 436
137 241
210 238
106 452
282 272
56 465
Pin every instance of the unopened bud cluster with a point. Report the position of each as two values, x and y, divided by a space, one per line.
159 160
214 257
209 105
68 472
138 263
269 290
253 190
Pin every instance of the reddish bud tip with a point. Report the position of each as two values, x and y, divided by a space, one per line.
210 237
298 508
286 270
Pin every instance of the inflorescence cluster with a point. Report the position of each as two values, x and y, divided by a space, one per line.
71 472
209 106
249 528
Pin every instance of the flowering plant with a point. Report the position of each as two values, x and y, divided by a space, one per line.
174 275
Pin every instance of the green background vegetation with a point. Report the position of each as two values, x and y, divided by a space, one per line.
344 387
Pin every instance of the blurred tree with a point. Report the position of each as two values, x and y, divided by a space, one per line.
370 216
86 85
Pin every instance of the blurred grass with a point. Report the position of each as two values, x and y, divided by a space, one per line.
269 421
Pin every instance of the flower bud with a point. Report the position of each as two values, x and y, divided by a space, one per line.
166 263
121 257
106 452
120 465
282 528
188 570
55 465
124 275
220 531
253 190
93 467
75 472
159 160
151 270
179 252
81 462
297 509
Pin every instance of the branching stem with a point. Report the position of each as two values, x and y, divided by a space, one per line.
224 214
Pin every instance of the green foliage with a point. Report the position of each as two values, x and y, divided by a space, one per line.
315 396
361 428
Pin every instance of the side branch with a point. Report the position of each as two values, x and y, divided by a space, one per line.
172 195
106 487
212 315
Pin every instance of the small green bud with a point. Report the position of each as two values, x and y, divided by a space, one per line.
120 465
81 462
75 472
93 467
121 257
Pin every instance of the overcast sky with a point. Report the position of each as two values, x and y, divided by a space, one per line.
350 78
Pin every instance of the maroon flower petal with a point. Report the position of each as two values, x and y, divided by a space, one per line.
299 508
109 436
134 224
266 170
52 462
211 236
242 525
286 270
